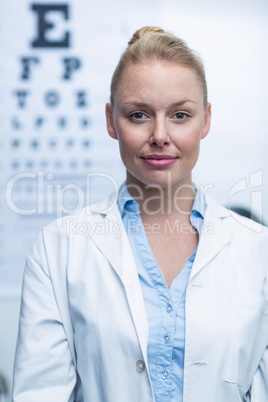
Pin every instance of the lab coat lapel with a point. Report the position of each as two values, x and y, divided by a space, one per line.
215 235
114 245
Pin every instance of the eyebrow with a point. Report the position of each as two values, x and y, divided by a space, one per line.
175 104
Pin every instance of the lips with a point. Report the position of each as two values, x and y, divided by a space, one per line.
159 160
159 156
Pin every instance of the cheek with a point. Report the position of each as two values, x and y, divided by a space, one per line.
189 142
129 143
126 146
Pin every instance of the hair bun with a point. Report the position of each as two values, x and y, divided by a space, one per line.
140 33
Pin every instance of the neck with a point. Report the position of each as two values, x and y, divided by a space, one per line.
156 201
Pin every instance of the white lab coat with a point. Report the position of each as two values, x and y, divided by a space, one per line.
83 324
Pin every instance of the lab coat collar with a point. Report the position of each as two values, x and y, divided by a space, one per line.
214 237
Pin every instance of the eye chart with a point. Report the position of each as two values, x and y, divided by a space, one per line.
55 153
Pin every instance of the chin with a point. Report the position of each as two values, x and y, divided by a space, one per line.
160 179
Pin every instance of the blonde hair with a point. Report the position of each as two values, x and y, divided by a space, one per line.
153 42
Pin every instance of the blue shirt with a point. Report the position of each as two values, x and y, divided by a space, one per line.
165 307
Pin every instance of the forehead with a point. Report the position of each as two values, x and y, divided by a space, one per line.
158 80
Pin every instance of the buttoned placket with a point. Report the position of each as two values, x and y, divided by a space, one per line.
168 315
168 302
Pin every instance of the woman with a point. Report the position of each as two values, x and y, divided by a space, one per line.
167 299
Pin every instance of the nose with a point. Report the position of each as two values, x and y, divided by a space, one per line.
160 135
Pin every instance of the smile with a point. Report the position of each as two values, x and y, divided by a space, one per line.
159 161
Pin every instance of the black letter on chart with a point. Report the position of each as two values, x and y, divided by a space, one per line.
52 98
43 25
21 94
71 64
26 64
39 121
16 124
81 99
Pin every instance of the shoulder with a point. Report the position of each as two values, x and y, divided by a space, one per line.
88 214
58 234
246 240
239 226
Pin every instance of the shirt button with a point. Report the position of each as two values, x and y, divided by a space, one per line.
169 308
140 366
166 338
164 375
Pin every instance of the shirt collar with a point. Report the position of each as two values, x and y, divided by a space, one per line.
127 204
200 205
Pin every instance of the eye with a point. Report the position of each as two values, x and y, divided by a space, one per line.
137 116
181 116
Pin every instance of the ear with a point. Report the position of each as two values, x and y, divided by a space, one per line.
207 121
110 121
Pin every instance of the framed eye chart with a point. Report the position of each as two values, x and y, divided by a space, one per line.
55 153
